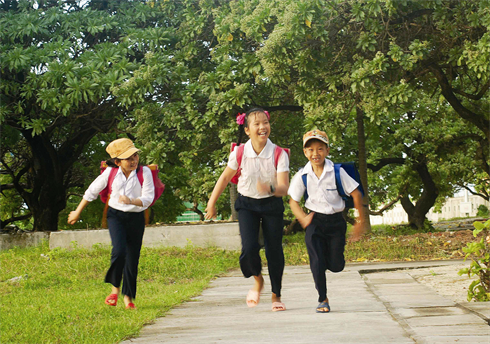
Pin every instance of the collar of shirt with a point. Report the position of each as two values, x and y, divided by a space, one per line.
121 183
265 154
328 167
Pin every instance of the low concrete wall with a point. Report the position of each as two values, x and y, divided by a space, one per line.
223 235
8 241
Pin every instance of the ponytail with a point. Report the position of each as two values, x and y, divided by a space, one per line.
112 162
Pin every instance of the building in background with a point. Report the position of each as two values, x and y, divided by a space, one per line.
463 205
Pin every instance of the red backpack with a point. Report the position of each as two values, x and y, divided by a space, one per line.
106 193
239 155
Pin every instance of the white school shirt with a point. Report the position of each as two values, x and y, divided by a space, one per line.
130 187
255 167
323 196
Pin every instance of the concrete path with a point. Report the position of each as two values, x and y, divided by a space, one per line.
370 304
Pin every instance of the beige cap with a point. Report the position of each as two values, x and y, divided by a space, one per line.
315 134
121 148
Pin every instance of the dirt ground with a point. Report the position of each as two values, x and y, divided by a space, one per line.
445 279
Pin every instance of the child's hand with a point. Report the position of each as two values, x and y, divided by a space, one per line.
73 217
210 212
305 221
357 232
124 199
263 188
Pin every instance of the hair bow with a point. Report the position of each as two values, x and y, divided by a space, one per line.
267 114
240 118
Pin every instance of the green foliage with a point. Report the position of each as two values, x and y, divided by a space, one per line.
482 210
173 75
479 252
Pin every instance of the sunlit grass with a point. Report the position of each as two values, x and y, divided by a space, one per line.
60 295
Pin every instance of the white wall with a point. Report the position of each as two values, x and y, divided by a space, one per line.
465 205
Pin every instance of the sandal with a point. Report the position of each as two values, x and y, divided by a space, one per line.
253 298
278 306
111 300
321 307
130 306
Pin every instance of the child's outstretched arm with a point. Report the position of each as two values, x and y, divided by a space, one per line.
282 184
75 215
303 218
220 186
359 227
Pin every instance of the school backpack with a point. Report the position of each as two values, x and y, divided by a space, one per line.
350 168
239 156
106 193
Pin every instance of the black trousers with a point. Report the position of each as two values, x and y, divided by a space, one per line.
126 230
325 241
269 211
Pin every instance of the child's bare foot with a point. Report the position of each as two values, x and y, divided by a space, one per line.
253 296
277 305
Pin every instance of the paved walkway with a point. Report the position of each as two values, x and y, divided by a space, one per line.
369 305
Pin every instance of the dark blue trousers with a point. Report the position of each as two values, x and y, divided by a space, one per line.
325 241
269 211
126 230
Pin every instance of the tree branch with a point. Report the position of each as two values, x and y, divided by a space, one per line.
477 96
485 196
447 91
384 162
411 16
4 223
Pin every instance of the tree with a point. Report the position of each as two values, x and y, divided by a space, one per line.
61 63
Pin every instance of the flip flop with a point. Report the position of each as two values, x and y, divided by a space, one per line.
111 300
321 306
130 306
278 306
253 298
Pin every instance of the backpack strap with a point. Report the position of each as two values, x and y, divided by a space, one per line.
338 180
239 154
277 154
139 174
304 177
112 175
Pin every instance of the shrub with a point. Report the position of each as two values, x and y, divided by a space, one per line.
482 211
479 251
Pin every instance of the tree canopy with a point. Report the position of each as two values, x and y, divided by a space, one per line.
399 86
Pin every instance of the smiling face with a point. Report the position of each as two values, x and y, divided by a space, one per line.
129 164
316 151
258 128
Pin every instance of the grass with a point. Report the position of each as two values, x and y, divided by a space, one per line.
386 243
59 296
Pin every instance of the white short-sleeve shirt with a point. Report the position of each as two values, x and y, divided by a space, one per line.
323 196
257 167
130 187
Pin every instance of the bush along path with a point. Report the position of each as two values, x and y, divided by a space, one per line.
479 252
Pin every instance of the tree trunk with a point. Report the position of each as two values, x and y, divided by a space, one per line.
233 198
416 213
361 138
48 196
48 174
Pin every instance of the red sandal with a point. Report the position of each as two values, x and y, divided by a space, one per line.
130 306
111 300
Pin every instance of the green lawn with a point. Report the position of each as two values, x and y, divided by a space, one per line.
59 297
